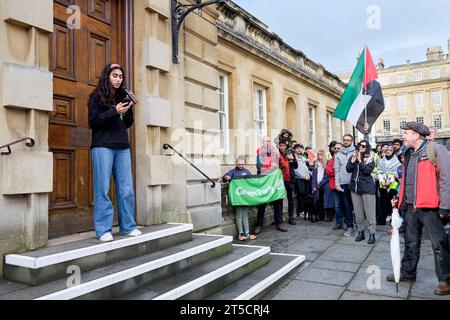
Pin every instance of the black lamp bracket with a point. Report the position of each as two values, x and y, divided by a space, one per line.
179 13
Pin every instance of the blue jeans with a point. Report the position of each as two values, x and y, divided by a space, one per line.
116 162
343 206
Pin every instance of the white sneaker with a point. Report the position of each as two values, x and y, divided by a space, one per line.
107 237
134 233
349 232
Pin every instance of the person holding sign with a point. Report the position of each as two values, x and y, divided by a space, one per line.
288 164
267 161
240 211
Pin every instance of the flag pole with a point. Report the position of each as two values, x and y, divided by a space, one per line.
364 82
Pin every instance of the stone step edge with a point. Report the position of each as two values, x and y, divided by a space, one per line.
214 275
103 282
45 261
272 279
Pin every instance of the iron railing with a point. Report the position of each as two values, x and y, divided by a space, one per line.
29 143
168 146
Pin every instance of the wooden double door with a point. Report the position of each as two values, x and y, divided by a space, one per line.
87 35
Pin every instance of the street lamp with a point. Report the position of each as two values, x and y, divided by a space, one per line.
179 12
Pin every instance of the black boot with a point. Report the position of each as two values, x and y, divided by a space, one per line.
292 221
371 239
360 237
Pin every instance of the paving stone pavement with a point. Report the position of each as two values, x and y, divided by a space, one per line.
338 268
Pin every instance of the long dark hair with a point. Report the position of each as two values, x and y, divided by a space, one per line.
104 88
367 151
331 147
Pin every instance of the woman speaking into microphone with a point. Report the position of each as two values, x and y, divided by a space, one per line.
110 115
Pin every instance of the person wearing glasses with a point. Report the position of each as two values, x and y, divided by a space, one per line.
267 160
362 186
343 199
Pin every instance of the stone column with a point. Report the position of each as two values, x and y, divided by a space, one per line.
178 102
26 95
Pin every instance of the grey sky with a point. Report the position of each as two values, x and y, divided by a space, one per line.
332 32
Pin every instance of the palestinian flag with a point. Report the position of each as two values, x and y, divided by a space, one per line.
362 101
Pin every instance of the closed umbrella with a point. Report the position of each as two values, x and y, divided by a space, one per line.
445 246
396 223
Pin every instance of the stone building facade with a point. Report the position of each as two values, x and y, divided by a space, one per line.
297 93
414 92
49 65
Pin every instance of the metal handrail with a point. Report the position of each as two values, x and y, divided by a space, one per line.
29 144
168 146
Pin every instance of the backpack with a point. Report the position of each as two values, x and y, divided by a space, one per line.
431 154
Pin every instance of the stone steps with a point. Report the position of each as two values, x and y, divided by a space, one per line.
167 262
51 263
262 281
203 280
130 274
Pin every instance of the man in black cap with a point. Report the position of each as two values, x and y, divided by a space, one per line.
424 195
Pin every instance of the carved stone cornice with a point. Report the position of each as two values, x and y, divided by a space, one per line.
239 27
418 84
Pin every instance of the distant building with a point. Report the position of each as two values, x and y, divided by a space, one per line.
414 92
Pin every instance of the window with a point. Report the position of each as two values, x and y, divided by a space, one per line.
387 103
402 102
417 76
387 127
260 113
384 81
223 114
418 98
435 98
438 122
401 78
403 125
419 120
435 73
329 127
312 128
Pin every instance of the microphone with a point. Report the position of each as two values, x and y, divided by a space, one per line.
130 95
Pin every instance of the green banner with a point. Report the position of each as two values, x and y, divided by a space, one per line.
256 190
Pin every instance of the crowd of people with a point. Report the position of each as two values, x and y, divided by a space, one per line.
356 186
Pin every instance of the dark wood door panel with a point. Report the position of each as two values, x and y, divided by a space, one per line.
77 58
63 196
62 44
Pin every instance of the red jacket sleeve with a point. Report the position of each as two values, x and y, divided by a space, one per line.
330 169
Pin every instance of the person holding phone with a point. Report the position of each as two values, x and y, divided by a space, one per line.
110 115
362 187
